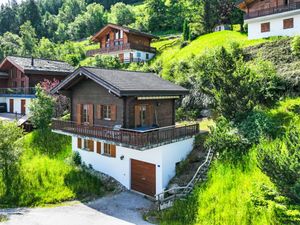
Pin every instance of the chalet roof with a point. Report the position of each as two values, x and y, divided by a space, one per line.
124 83
36 65
125 29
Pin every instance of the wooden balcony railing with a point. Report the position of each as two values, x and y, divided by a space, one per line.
17 91
273 10
116 48
128 138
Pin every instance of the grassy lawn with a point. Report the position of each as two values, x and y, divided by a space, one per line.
204 123
201 44
47 174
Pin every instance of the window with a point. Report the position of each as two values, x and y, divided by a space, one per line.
288 23
88 145
265 27
138 54
22 84
286 2
85 144
143 113
147 56
109 150
85 113
106 112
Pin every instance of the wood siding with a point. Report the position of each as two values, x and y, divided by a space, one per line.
267 4
88 92
162 110
143 177
34 79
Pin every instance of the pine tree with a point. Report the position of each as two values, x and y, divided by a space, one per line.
186 30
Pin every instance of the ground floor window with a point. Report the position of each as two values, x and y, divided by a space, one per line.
265 27
109 150
288 23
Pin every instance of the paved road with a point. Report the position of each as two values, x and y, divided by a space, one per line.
121 209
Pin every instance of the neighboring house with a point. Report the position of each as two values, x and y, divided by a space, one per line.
266 18
20 75
123 124
222 27
128 44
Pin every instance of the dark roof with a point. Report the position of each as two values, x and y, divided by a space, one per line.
124 83
125 29
39 65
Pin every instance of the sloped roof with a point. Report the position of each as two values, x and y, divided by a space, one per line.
124 83
39 65
125 29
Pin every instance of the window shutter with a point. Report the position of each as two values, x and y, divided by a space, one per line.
113 112
99 112
113 151
91 145
79 113
79 143
91 114
137 118
150 115
99 147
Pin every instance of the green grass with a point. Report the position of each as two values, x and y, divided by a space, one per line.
234 194
200 45
46 174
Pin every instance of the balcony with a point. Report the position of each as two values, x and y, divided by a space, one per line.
273 10
17 91
139 140
122 47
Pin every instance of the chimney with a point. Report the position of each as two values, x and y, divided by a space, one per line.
32 61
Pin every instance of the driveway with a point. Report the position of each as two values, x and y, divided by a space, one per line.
121 209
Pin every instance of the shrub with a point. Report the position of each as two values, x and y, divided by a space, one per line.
226 141
257 125
295 45
280 160
108 62
76 158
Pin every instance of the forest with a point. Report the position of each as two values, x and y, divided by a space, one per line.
35 27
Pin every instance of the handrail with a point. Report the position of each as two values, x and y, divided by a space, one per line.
19 90
132 139
273 10
192 180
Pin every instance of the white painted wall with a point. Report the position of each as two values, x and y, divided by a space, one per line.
164 157
135 53
17 104
276 25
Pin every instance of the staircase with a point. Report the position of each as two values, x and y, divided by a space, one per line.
166 199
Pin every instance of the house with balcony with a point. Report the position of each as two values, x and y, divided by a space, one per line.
123 124
128 44
20 75
266 18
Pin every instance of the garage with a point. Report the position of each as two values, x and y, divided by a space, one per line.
143 177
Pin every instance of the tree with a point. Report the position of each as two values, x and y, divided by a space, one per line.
41 109
121 14
87 23
29 11
45 49
10 151
28 39
70 9
156 11
10 44
8 19
186 31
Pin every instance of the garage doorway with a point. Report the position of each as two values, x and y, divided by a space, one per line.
143 177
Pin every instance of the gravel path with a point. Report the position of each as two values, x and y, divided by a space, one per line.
121 209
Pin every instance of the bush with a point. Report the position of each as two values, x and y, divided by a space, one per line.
76 158
295 45
256 126
226 140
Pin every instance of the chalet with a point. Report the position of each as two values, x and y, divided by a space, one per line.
128 44
20 75
123 124
266 18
